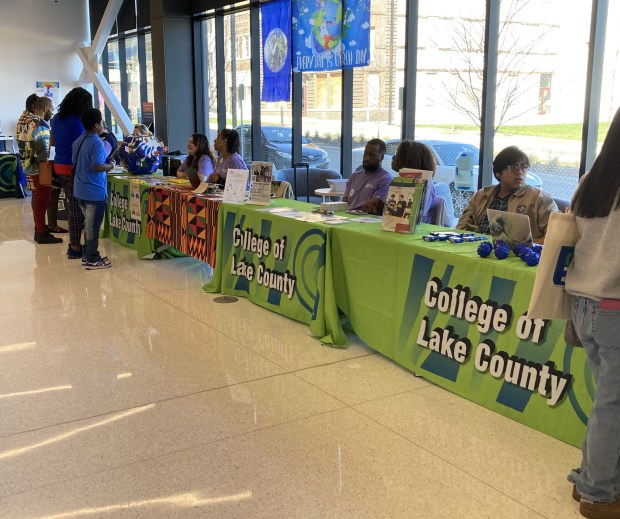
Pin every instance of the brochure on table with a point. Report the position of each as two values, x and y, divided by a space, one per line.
236 189
406 195
260 188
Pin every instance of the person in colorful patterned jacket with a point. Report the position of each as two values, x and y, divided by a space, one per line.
36 151
23 126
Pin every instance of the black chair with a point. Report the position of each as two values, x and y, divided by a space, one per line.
562 204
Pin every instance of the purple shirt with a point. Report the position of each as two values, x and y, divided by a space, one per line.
431 196
204 169
222 165
363 186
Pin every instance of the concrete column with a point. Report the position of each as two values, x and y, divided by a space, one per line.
173 65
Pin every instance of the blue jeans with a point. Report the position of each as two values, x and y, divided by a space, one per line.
598 479
94 213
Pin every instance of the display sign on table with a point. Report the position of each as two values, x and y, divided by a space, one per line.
405 200
237 186
260 187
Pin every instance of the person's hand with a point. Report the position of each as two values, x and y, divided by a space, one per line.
373 206
213 178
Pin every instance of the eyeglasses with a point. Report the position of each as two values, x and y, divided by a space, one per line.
514 168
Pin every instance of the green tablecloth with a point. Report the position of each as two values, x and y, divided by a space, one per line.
293 277
389 286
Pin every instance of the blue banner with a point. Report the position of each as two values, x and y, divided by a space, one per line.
330 34
276 29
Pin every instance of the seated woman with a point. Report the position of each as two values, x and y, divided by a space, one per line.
415 155
227 145
512 194
200 158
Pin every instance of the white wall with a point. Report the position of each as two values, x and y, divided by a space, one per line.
37 39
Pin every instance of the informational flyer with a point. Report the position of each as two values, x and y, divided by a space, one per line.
134 200
49 89
236 189
260 189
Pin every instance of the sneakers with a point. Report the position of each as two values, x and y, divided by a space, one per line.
56 229
97 265
84 260
600 510
74 254
46 237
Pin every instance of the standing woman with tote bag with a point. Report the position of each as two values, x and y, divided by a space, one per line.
66 127
594 281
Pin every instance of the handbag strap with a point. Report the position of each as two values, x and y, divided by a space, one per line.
77 155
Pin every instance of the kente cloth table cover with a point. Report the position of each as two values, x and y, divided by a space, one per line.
123 227
459 321
184 220
279 263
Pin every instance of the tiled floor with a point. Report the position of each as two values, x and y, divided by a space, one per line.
129 393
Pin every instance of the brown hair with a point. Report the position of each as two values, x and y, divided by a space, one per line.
412 154
202 148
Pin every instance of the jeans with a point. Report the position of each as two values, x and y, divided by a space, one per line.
94 212
598 478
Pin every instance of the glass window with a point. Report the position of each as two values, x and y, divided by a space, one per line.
449 80
114 78
134 105
610 91
209 89
321 124
150 94
541 88
238 80
377 89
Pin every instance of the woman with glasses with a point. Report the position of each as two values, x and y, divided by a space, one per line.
512 194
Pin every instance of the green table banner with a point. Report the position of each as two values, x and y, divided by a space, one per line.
278 263
459 321
119 224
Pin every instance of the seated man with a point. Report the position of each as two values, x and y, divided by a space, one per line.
367 187
512 194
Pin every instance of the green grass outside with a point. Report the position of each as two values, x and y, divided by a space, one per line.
571 131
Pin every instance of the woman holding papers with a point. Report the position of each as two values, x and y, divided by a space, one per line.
593 279
415 155
200 157
227 145
512 194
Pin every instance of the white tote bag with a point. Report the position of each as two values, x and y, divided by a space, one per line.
549 299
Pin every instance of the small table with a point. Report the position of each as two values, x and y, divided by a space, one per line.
327 193
5 139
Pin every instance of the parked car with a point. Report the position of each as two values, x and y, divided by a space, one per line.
446 153
278 143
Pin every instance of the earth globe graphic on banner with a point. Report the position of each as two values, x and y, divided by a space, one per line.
327 26
275 51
